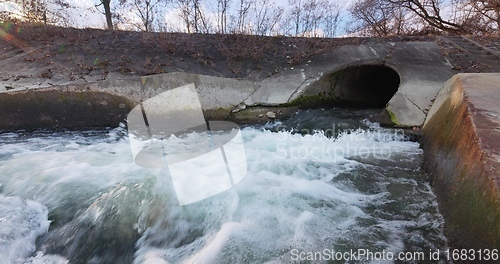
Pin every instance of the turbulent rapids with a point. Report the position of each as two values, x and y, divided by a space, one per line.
79 197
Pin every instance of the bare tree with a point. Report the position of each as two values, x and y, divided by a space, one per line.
379 18
196 15
57 12
193 15
243 10
201 22
312 18
106 4
185 14
431 12
145 10
466 16
222 9
39 11
469 16
332 19
266 17
34 10
295 14
488 15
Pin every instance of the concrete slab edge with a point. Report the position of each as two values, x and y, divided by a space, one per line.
460 166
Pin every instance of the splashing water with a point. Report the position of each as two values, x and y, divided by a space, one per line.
302 193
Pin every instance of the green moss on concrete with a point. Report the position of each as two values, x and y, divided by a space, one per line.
474 214
221 113
392 117
81 96
61 98
312 101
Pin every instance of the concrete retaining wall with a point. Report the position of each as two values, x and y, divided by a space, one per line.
107 103
62 107
461 142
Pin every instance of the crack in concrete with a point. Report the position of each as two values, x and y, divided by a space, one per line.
248 97
306 80
421 110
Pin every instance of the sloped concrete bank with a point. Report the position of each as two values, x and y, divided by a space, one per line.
461 142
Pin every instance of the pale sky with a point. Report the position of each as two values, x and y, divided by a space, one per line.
91 18
85 15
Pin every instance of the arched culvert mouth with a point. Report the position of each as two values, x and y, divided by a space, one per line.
365 85
360 86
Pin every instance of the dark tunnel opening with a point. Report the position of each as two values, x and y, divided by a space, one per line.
364 86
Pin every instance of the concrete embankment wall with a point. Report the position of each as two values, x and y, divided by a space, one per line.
107 103
62 107
461 142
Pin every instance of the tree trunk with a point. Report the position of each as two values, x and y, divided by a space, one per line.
107 13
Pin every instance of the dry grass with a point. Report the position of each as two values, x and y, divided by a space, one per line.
74 53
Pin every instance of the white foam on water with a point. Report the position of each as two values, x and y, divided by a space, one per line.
294 195
40 258
21 222
42 168
287 200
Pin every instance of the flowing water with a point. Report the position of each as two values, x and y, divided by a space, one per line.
332 183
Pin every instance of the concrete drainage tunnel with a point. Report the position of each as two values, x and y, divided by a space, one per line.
358 86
